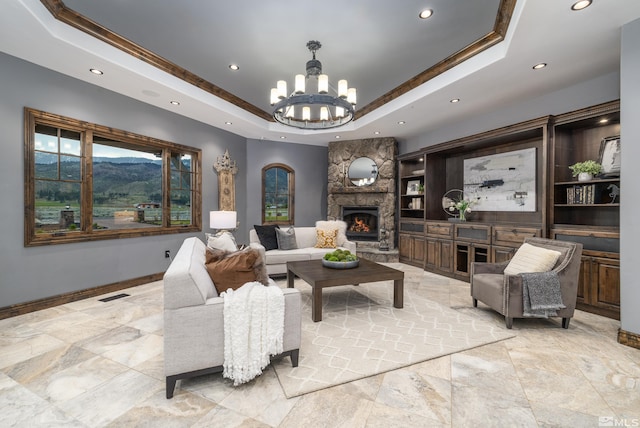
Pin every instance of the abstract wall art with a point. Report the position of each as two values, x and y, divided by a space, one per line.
502 182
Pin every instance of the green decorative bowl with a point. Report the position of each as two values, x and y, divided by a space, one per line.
340 265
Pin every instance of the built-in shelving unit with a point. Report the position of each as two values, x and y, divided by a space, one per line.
566 209
411 187
593 216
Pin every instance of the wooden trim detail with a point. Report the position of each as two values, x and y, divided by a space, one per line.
82 23
31 238
61 299
292 191
628 338
505 11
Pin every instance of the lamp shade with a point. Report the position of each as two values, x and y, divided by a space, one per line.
223 219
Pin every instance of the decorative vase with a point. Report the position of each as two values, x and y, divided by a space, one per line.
463 215
584 176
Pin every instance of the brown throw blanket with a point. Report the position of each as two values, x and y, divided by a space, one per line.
541 295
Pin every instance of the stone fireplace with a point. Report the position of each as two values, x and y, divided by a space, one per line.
343 196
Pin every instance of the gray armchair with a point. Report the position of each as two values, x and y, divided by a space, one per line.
503 293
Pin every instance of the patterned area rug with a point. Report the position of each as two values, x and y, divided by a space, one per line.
361 334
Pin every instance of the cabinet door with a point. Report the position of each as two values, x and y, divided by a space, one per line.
461 259
502 254
584 280
418 250
404 246
433 253
605 282
446 256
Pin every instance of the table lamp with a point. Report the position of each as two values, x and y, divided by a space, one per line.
223 221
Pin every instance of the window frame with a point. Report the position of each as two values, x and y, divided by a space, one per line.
86 231
291 194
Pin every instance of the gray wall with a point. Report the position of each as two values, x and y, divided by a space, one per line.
630 176
310 166
584 94
31 273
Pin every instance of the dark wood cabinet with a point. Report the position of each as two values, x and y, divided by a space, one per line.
411 249
411 243
599 287
467 253
439 247
439 255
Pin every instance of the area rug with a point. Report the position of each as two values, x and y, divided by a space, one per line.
362 334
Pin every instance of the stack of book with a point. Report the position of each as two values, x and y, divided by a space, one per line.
582 194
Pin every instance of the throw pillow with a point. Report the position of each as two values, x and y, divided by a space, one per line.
221 241
326 238
267 236
286 239
334 224
233 270
530 258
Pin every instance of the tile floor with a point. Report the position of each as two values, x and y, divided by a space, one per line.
93 364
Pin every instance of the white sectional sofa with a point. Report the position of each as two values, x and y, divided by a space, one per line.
277 259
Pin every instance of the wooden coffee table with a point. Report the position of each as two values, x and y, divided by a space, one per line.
320 277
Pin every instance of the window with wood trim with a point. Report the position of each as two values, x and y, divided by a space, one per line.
86 182
278 194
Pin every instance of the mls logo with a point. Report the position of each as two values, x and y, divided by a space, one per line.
606 421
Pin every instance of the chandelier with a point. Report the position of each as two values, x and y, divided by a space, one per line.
318 110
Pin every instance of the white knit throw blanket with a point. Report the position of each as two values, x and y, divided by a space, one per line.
253 329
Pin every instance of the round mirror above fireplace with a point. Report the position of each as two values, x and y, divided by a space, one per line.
363 172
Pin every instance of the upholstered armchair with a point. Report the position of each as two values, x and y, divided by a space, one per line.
504 293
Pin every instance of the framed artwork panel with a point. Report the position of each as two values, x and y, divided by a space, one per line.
412 187
610 156
502 182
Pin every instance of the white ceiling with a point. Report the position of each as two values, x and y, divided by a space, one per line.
375 44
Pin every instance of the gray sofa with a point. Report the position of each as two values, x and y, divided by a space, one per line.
277 259
193 318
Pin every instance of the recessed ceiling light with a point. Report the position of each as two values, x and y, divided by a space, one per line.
425 14
175 103
582 4
539 66
454 100
604 120
401 122
234 67
282 137
337 137
376 132
228 123
96 71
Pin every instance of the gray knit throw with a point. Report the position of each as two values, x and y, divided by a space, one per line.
541 296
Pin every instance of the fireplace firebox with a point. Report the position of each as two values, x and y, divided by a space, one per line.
362 223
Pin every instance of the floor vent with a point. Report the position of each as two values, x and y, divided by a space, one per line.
117 296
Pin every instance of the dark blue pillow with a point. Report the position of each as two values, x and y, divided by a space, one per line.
267 236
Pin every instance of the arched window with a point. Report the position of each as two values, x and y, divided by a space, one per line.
277 194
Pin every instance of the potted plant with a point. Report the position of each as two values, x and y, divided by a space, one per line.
421 188
586 170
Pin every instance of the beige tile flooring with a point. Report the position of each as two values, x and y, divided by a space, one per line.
91 364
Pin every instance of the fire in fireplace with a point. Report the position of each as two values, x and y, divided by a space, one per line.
362 223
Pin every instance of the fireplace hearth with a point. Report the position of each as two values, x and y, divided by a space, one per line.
362 223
